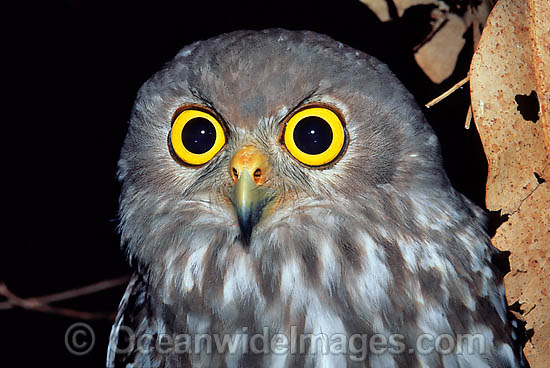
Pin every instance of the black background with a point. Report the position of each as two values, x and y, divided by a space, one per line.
73 71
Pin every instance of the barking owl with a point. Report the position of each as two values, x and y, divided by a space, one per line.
284 204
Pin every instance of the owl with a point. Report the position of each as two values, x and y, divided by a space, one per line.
284 204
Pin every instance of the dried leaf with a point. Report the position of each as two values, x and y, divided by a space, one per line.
540 33
503 70
438 57
526 234
476 16
402 5
378 7
437 54
510 102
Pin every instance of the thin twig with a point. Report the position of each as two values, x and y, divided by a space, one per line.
448 92
41 303
431 35
85 290
468 117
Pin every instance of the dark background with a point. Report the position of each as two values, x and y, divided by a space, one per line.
74 70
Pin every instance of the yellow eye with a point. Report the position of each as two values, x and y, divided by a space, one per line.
315 136
196 136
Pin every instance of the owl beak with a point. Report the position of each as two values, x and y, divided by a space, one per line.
249 195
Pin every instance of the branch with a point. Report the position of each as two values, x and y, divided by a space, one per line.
41 303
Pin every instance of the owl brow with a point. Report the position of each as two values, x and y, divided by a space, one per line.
204 100
300 103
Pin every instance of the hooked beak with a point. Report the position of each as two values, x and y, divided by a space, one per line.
249 195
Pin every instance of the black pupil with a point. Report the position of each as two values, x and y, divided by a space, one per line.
198 135
313 135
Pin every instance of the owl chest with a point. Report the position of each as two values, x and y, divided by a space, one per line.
270 337
245 304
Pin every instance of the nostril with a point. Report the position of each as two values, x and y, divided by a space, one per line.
257 174
235 174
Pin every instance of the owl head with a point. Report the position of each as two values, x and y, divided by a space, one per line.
253 148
